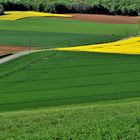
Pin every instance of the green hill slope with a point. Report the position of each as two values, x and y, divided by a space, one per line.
53 78
105 121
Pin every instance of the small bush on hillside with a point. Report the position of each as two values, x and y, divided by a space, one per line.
1 9
19 6
54 7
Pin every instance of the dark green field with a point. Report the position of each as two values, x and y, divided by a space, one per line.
58 95
59 78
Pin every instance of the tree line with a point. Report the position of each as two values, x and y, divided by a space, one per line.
110 7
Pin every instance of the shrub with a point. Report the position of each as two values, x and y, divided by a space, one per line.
54 7
99 9
19 6
1 9
81 7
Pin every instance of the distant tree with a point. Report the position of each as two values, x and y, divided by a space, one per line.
1 9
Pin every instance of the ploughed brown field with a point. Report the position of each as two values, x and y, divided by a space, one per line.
11 49
106 18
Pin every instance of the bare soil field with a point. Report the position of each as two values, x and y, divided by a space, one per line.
12 49
106 18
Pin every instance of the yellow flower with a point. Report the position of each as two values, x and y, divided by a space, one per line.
127 46
15 15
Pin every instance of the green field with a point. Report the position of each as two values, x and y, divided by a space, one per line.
51 32
59 78
115 120
58 95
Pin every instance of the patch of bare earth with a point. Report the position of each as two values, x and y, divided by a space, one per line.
12 49
106 18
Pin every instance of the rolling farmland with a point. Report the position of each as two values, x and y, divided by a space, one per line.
59 95
45 33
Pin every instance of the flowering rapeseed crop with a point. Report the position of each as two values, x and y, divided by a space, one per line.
127 46
15 15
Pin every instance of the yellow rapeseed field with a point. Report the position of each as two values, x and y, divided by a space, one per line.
15 15
127 46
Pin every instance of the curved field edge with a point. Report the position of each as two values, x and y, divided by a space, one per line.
126 46
115 120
